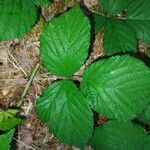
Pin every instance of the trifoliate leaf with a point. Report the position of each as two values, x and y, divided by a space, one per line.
99 22
118 87
5 140
138 17
64 107
145 115
112 7
118 37
42 2
65 42
118 136
16 18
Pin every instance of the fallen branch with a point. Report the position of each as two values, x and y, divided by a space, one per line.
28 84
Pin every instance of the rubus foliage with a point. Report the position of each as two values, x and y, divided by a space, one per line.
125 22
117 87
5 140
60 46
64 107
16 18
8 119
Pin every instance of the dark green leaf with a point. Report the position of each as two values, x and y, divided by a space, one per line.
64 107
99 22
16 18
118 37
147 143
113 7
5 140
65 42
118 87
138 17
122 136
145 115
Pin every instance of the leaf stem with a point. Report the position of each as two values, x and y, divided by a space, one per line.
28 84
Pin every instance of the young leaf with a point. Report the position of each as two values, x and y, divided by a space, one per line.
5 140
64 107
118 136
8 119
118 87
10 123
138 17
16 18
113 7
42 2
99 22
65 41
118 37
145 115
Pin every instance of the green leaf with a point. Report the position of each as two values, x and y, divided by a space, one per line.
65 41
118 37
138 17
118 87
8 119
42 2
118 136
16 18
113 7
145 115
99 22
10 123
6 139
64 107
147 143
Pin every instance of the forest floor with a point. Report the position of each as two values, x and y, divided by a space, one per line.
17 60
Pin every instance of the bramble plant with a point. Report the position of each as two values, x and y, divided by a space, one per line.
117 87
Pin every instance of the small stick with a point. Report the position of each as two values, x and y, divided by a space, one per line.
28 84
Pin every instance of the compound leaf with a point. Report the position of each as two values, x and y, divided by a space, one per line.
64 107
6 139
118 136
118 37
16 18
118 87
113 7
65 42
138 17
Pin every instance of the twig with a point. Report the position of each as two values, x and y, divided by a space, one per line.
15 62
28 84
24 144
